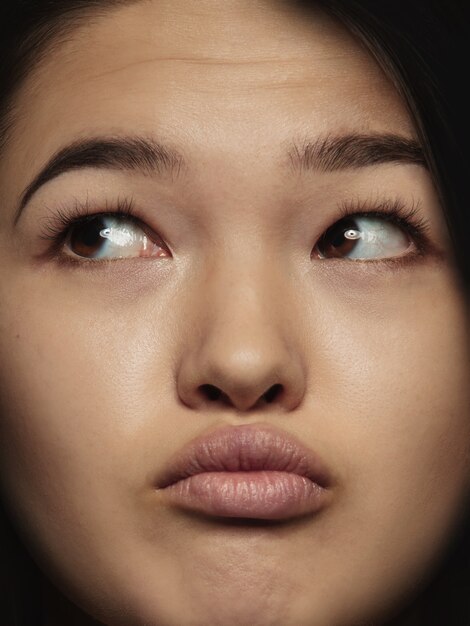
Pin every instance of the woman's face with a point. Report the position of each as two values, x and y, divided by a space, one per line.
112 344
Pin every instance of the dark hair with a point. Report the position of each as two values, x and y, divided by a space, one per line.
423 47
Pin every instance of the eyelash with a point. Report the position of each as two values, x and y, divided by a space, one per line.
57 227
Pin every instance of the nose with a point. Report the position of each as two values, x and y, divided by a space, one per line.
242 353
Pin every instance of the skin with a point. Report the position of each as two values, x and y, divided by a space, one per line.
105 363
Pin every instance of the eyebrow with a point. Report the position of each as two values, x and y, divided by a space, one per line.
324 154
119 153
332 153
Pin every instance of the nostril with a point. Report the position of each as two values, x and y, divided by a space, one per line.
272 393
211 392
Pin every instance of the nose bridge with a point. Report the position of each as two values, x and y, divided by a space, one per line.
244 353
244 320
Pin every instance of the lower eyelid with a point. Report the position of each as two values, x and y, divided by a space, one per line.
67 261
404 261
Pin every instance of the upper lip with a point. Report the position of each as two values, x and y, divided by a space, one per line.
248 447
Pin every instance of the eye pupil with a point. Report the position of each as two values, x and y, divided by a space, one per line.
85 238
334 243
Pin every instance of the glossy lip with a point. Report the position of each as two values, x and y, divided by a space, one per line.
251 470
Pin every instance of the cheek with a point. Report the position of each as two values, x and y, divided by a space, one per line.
82 385
399 407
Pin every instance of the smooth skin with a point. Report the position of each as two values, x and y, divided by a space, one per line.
105 362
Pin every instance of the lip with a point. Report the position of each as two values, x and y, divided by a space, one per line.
251 471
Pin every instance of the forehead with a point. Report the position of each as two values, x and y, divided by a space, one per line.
237 76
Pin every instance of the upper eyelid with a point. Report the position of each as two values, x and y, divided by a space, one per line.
386 207
408 214
62 218
393 209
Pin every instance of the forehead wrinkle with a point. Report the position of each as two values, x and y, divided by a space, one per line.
202 61
86 37
297 73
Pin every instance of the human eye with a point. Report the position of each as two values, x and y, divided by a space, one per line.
386 231
85 236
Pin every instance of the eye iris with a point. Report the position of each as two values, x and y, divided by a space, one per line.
86 238
334 243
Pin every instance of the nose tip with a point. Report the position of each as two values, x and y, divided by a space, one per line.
220 375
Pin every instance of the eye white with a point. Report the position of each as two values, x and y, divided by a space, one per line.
118 236
377 238
364 237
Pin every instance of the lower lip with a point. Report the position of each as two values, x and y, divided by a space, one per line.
269 495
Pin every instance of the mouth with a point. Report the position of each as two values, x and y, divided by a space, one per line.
249 471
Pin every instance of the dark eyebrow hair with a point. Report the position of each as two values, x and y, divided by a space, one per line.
331 153
324 154
125 153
